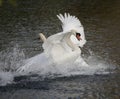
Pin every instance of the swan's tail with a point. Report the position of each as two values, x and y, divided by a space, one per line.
42 37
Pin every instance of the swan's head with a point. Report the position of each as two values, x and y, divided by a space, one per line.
78 36
73 24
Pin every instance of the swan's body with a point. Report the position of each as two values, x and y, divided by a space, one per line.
60 48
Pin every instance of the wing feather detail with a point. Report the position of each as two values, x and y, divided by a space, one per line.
69 22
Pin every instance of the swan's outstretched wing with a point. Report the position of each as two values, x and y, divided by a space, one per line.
52 41
69 22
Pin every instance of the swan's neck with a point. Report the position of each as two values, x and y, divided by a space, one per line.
69 42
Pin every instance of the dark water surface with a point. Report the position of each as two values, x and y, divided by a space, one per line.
23 20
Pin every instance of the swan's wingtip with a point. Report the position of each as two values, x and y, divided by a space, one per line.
69 21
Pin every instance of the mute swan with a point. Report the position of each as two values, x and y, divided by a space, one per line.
64 46
60 48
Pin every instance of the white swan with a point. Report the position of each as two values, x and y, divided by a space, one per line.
59 48
65 46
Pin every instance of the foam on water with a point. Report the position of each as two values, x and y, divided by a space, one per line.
11 61
6 78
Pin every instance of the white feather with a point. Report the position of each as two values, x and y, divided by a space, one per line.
69 22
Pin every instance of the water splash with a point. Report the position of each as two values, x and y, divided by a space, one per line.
10 60
37 65
6 78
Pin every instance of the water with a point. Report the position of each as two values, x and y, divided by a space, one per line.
20 24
